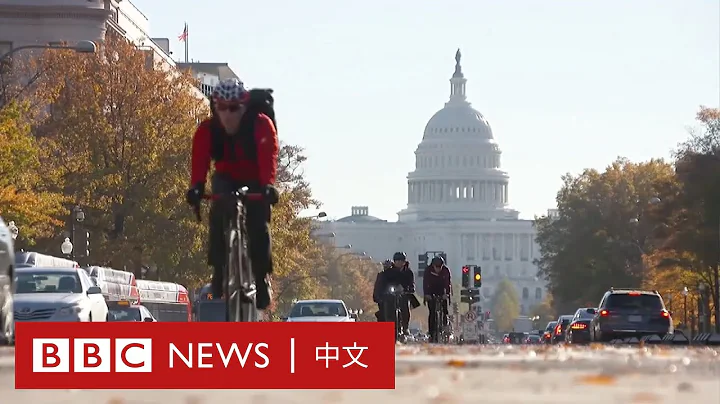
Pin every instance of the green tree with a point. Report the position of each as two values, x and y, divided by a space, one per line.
23 199
607 221
505 305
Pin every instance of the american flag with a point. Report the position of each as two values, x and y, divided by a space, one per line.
184 35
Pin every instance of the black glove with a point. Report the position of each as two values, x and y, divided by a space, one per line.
195 194
271 194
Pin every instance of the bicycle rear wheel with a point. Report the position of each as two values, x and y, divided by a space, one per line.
246 279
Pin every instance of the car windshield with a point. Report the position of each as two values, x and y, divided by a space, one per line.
47 282
313 309
627 301
565 320
582 314
551 325
124 314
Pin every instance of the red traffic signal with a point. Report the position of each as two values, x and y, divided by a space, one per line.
466 270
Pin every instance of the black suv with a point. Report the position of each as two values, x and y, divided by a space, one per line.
626 313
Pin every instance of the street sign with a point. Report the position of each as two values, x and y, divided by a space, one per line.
470 316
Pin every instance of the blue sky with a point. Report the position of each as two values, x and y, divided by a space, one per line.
565 85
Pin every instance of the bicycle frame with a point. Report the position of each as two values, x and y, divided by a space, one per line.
440 333
238 283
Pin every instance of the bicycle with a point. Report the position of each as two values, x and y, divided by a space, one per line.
391 308
239 288
440 334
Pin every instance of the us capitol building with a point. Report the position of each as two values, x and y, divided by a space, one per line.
457 203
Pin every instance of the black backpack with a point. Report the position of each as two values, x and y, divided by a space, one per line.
261 102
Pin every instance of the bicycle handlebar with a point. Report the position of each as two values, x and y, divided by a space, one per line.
241 195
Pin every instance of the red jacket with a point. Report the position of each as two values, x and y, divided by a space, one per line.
261 171
437 283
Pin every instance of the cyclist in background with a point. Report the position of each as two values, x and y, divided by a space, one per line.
244 147
398 274
436 282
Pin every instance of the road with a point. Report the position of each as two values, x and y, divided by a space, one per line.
493 374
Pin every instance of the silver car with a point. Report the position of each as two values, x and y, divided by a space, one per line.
7 261
57 294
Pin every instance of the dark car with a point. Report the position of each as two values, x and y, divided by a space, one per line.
533 339
579 329
549 329
626 313
563 322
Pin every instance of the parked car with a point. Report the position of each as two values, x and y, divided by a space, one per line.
7 277
57 294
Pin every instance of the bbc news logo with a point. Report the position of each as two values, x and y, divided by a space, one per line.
91 355
266 355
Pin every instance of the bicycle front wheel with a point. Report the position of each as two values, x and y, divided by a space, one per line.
233 285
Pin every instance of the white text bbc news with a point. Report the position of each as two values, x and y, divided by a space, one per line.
92 355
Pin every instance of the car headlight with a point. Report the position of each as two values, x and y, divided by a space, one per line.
70 310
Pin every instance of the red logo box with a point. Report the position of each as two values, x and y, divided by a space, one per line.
205 355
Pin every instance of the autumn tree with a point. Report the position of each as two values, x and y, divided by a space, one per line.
691 250
505 305
117 142
23 198
607 221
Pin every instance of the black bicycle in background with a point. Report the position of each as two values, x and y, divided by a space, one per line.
440 333
239 289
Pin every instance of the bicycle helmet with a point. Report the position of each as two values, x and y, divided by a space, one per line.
399 256
230 90
437 260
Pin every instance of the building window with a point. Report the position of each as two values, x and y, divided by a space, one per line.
538 293
525 294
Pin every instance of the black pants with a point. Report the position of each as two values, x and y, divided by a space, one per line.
257 224
431 317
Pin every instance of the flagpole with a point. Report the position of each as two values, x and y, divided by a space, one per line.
187 59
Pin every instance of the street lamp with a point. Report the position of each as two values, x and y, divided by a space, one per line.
14 231
76 215
66 247
79 47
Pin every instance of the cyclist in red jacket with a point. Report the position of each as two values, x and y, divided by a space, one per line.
436 282
243 144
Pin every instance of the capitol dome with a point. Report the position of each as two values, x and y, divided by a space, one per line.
458 119
458 175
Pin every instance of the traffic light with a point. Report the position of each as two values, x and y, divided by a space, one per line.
422 264
466 277
477 280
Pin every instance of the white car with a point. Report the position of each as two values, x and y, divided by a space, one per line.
333 311
7 261
57 294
